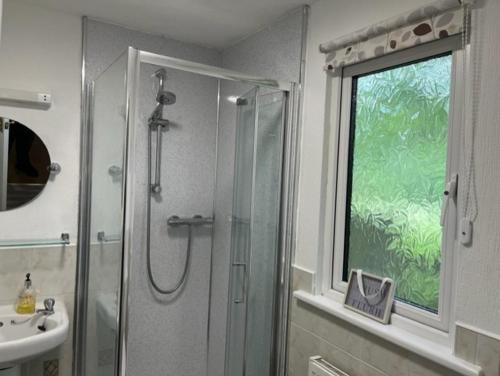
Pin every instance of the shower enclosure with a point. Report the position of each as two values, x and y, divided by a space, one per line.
186 221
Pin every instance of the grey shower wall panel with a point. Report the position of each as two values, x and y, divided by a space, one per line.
274 52
106 42
168 335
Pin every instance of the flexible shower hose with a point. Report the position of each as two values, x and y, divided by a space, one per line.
180 282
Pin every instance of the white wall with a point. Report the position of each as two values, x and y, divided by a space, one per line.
1 9
328 20
40 51
478 301
478 297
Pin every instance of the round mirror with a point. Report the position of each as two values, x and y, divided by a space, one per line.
24 164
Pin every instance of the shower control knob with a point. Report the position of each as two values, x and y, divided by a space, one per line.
156 188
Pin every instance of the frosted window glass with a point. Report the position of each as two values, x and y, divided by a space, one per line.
397 171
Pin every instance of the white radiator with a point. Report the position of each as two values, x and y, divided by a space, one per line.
320 367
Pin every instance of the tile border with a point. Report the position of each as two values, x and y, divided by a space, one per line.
479 347
439 354
303 279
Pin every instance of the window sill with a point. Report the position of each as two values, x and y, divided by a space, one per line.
426 348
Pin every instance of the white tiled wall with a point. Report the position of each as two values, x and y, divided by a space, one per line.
478 347
53 274
314 332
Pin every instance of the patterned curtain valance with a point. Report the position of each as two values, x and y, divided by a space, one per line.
435 21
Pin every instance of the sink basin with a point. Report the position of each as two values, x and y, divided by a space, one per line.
23 341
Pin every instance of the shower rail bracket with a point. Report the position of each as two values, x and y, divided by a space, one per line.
156 124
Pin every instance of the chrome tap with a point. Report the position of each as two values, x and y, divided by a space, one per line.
48 307
46 311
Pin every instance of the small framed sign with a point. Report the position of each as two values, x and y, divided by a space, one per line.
370 295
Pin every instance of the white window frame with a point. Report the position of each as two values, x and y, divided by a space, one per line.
330 264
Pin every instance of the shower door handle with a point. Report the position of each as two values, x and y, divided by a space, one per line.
240 300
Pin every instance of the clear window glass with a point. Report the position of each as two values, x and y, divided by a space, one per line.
396 176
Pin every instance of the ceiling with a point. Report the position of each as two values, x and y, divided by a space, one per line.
212 23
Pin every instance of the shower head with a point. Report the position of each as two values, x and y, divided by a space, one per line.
165 97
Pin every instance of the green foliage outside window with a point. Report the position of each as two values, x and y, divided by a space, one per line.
398 176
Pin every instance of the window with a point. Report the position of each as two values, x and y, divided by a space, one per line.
397 150
396 176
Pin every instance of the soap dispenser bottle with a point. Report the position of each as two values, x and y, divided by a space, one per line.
26 300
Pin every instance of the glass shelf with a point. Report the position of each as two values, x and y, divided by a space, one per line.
63 240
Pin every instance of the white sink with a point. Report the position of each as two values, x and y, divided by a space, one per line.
21 342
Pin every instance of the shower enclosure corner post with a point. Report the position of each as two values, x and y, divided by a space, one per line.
132 80
287 226
290 188
83 216
83 261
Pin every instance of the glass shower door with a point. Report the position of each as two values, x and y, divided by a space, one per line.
108 121
255 234
240 232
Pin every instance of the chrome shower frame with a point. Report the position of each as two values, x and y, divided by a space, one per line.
289 179
291 90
